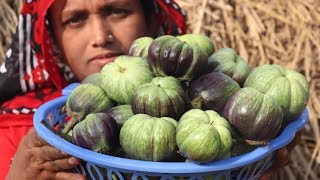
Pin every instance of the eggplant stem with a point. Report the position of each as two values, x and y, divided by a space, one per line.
62 135
256 143
70 125
75 119
64 109
197 102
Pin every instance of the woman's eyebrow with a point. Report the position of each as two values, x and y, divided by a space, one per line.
115 4
72 12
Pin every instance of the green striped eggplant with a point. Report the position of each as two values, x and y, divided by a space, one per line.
227 61
203 136
144 137
122 77
94 78
199 40
289 88
162 97
140 47
85 99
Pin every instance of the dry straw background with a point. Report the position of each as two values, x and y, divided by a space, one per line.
285 32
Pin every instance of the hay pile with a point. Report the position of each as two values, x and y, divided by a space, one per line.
8 23
264 31
271 31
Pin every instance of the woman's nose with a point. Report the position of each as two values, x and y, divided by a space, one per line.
101 33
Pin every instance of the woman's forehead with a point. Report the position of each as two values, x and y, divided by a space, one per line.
86 4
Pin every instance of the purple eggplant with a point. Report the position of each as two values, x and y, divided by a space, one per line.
168 56
212 91
255 116
98 132
121 113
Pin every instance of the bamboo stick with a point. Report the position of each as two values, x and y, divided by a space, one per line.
201 14
313 156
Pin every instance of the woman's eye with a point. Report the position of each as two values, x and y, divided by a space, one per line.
119 11
75 21
116 12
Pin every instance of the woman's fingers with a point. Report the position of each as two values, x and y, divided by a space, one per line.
61 164
51 158
281 160
60 176
48 153
33 139
68 175
48 157
42 150
282 157
35 158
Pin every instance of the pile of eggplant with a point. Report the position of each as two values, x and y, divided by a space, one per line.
174 98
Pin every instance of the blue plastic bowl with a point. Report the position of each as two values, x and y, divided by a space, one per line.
100 166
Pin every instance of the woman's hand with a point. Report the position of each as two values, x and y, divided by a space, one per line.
36 159
282 157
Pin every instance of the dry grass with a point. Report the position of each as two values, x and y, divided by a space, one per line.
8 23
285 32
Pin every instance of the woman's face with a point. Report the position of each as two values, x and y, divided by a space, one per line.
92 33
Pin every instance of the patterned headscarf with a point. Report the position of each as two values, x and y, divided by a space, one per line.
31 73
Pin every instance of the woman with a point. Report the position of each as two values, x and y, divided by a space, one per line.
83 34
59 42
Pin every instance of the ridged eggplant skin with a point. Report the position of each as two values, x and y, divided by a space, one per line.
256 116
203 136
140 47
289 88
227 61
94 79
144 137
121 113
199 40
212 91
168 56
122 77
162 97
87 98
98 132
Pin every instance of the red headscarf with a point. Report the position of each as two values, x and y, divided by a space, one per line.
30 74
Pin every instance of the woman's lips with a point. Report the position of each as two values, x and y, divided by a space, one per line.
102 60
